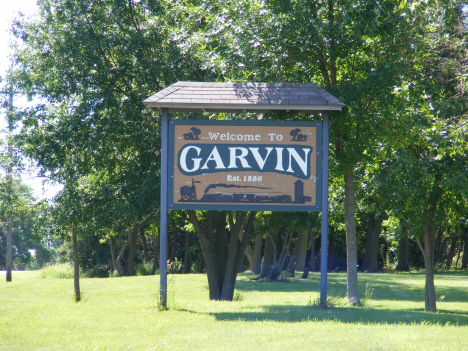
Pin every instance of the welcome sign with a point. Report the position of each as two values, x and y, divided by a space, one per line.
240 165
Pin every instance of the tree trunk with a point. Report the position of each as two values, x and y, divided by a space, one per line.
244 234
9 175
302 254
250 257
174 244
374 229
222 249
331 249
310 258
133 233
451 253
429 233
145 246
403 255
187 260
313 236
464 263
9 255
240 237
201 267
293 259
206 235
297 260
241 266
269 254
351 244
459 253
439 247
120 260
280 260
156 255
76 264
231 265
112 252
257 268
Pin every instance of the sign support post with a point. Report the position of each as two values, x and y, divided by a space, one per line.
163 209
324 239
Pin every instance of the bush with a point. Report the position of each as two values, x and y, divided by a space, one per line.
58 271
175 267
102 271
144 268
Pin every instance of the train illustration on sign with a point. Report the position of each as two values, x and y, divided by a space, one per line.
189 194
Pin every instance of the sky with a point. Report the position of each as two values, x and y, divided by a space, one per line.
8 11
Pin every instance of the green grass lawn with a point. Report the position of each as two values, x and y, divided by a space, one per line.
122 314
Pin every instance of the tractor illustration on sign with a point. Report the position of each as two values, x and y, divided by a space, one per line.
193 135
295 133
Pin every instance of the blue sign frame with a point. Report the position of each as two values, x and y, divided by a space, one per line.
243 206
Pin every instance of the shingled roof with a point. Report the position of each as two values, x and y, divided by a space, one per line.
243 97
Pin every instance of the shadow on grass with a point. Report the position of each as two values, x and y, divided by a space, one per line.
385 287
294 313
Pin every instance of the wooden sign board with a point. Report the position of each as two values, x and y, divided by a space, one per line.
242 165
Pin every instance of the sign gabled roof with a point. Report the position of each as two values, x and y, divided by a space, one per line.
243 97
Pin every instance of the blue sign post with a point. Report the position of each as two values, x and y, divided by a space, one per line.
324 239
163 209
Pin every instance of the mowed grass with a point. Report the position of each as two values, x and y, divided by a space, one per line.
122 314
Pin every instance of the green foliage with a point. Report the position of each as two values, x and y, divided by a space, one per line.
238 296
332 302
93 64
368 295
175 267
144 269
25 213
57 271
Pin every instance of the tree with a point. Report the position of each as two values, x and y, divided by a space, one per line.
223 247
425 170
374 229
354 49
11 164
93 63
9 191
29 251
294 133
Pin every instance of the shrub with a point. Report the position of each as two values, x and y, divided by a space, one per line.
102 271
175 267
144 268
58 271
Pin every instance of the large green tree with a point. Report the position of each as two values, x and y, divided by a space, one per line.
92 64
424 173
356 50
